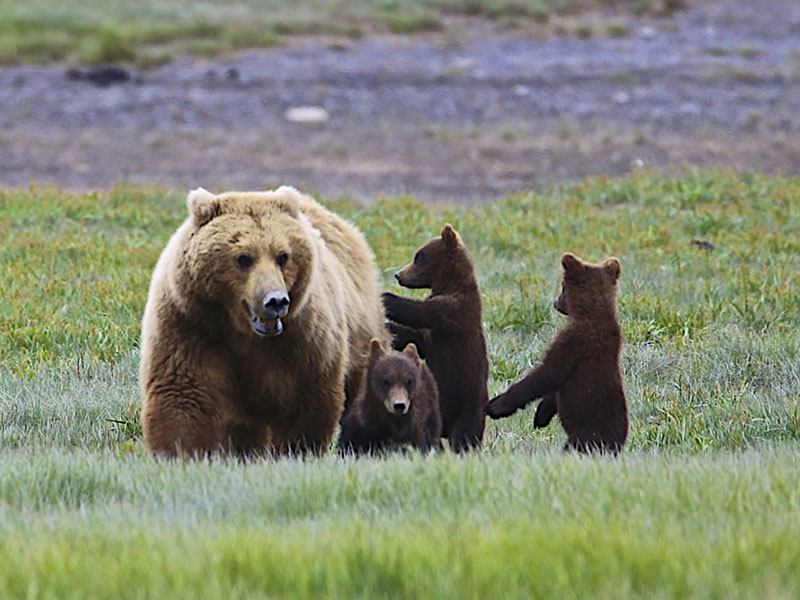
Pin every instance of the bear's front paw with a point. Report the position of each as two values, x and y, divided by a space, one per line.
500 407
390 303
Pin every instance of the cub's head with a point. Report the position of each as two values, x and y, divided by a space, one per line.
442 260
588 289
393 377
251 254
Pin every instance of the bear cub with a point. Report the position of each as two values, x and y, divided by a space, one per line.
579 376
447 327
398 405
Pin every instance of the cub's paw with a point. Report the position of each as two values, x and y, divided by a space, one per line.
500 407
390 303
401 336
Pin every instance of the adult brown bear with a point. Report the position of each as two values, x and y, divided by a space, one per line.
258 323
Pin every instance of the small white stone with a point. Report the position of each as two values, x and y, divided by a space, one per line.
306 114
521 90
621 97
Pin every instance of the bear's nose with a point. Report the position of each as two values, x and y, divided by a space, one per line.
276 304
400 408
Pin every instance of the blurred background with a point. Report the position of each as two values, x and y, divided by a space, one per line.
458 101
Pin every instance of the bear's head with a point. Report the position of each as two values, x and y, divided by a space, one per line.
441 264
393 377
251 254
588 290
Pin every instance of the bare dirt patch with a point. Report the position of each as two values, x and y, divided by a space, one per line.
466 117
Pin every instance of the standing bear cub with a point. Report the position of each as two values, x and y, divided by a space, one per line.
581 365
258 324
447 327
398 405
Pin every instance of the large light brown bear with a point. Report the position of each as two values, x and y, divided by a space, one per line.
258 323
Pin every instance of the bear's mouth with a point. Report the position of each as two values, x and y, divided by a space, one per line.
262 329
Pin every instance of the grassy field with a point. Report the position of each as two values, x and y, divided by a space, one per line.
150 33
704 502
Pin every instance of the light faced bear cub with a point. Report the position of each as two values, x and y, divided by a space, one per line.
398 405
447 327
580 375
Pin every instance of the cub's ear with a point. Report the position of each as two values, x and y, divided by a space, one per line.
571 263
411 350
612 267
450 236
203 206
288 199
376 350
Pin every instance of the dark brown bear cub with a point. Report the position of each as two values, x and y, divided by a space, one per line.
447 327
582 363
398 405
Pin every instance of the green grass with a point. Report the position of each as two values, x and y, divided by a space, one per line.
516 525
704 502
150 33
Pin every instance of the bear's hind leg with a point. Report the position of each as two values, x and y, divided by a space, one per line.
547 409
592 446
467 432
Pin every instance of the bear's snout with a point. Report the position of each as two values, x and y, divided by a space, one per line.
276 304
396 401
400 408
402 277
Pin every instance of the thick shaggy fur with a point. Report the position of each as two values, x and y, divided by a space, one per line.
447 327
398 405
580 371
220 368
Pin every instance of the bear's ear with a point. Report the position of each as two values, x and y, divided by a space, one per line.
450 236
203 206
571 263
288 199
612 267
411 350
376 350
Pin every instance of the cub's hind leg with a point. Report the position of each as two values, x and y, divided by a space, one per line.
547 409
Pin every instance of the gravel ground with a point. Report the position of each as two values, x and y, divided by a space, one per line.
462 116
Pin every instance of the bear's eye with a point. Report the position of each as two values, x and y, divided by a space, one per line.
409 382
244 260
282 259
386 383
418 258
